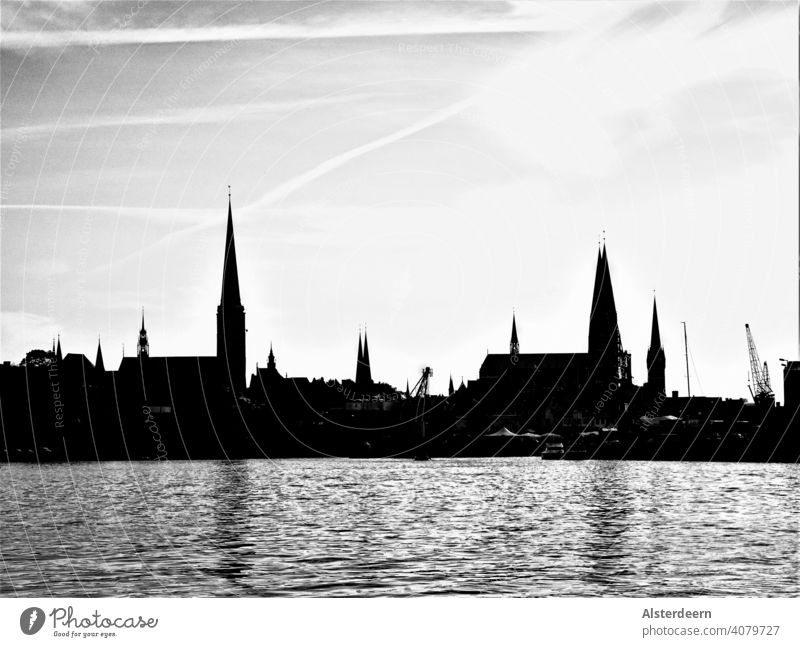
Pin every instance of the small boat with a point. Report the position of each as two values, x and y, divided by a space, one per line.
422 457
553 451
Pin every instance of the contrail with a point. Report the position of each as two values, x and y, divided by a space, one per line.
287 188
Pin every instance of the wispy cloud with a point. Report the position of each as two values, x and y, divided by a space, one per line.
421 25
289 187
183 116
175 214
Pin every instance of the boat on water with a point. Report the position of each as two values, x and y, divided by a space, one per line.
553 451
422 457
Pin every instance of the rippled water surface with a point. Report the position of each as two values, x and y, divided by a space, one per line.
518 527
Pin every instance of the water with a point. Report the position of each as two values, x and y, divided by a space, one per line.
512 527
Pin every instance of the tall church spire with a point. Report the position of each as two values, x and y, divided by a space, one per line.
230 270
59 357
143 345
359 360
514 345
230 315
656 361
367 369
450 388
363 371
608 358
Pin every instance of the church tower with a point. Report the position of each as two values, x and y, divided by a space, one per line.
142 345
230 316
514 345
367 369
656 361
359 360
363 371
99 365
608 359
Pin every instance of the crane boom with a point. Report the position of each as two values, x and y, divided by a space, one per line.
761 388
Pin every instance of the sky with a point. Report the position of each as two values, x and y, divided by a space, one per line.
419 169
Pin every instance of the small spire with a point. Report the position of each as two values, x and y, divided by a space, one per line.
514 345
450 388
59 356
99 366
143 344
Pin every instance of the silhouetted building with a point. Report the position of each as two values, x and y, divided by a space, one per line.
514 345
143 345
791 387
266 379
610 362
230 316
363 370
656 361
99 366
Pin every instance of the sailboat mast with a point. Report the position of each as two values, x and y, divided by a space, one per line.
686 355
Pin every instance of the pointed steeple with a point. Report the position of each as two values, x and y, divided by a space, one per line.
271 358
363 371
230 270
598 277
367 369
98 361
231 332
360 361
143 345
607 358
655 334
59 356
408 390
514 345
656 360
451 389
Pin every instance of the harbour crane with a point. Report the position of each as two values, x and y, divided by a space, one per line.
422 387
420 393
760 389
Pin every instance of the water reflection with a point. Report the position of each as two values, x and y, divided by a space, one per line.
346 527
231 493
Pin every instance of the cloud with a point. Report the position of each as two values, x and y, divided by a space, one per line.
24 330
168 214
291 186
346 20
183 116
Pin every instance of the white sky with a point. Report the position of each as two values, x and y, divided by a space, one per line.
421 167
